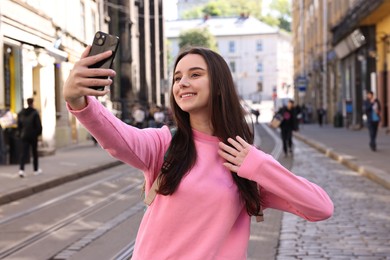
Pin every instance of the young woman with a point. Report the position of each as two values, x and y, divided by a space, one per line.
210 187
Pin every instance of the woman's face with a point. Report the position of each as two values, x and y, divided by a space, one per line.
191 87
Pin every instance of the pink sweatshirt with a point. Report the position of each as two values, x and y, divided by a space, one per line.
205 218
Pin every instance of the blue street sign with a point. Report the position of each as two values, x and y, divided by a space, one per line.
302 83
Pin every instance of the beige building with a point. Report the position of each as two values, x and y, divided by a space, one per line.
40 41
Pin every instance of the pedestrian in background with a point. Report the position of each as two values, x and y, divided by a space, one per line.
256 112
159 117
139 116
321 114
29 128
209 172
372 109
288 125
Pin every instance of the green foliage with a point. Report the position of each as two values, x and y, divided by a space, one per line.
284 24
197 37
226 8
280 11
212 9
247 7
193 13
282 7
270 20
283 10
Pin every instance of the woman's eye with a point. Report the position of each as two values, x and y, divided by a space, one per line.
195 75
177 79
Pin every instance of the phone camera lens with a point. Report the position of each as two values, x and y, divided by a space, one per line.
98 35
100 41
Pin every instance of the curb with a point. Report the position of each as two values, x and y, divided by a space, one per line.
27 191
377 175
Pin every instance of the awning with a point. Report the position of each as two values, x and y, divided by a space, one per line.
349 44
24 37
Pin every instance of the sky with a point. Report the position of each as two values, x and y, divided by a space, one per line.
170 9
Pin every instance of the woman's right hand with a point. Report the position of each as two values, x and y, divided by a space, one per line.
80 78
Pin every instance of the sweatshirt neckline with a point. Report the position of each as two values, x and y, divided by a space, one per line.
204 137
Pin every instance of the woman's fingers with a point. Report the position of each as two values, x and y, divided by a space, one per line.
86 51
91 60
97 74
227 156
235 155
236 144
96 82
231 167
242 142
228 148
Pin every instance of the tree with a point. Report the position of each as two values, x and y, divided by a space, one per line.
246 7
282 8
271 20
226 8
193 13
279 16
197 37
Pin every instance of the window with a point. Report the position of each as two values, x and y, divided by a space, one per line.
259 45
82 19
93 21
232 66
232 46
259 67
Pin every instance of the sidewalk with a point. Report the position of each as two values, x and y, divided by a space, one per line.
67 164
351 148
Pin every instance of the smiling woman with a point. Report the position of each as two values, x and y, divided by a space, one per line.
210 177
191 89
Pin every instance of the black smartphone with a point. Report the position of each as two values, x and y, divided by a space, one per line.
103 42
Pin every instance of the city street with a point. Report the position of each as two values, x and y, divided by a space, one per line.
92 218
360 226
97 217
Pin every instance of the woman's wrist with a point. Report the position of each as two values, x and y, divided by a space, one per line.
78 104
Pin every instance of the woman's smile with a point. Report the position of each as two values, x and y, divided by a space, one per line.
187 95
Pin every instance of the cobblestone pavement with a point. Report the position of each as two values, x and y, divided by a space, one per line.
360 226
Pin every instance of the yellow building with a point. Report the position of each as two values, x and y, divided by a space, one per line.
381 18
361 40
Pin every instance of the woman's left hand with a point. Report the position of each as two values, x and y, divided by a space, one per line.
235 155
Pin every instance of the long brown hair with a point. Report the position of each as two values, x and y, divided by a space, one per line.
228 120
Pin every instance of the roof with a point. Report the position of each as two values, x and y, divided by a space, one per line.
220 26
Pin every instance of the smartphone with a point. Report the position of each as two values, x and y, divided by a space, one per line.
103 42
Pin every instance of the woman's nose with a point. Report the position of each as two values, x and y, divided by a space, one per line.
184 83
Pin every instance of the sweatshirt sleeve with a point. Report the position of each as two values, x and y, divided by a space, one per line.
280 189
141 148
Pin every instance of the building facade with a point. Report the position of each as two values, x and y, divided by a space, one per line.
40 41
259 56
340 53
141 73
